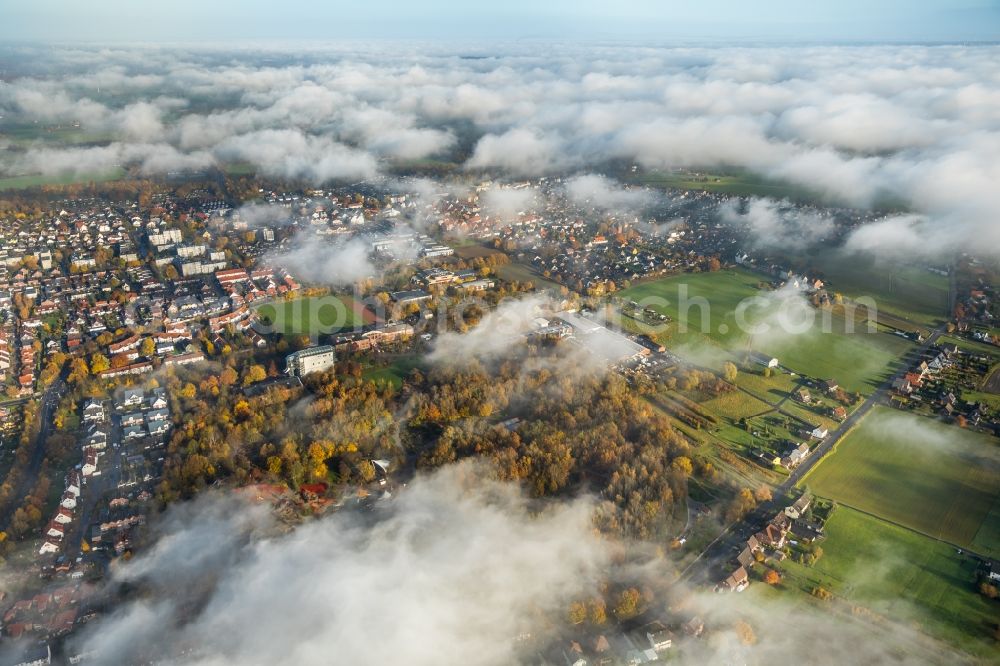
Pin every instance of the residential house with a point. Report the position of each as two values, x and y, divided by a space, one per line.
819 432
131 398
659 637
93 411
736 581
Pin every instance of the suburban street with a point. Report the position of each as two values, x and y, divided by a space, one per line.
721 550
49 402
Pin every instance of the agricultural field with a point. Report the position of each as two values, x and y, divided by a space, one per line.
859 361
27 134
934 478
771 389
473 250
24 182
736 405
899 574
739 183
515 272
723 443
911 294
312 315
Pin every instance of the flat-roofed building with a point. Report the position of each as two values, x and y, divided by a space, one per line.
314 359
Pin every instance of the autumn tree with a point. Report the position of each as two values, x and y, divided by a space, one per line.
99 363
597 611
740 505
228 376
255 373
772 577
628 604
729 371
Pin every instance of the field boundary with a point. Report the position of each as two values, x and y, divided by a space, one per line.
956 546
828 453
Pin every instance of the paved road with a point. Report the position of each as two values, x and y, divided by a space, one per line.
724 547
29 474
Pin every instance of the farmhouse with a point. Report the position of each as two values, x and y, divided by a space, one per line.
795 456
736 581
771 536
902 385
799 507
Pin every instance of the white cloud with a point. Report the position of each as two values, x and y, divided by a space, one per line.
774 224
451 571
316 259
915 125
590 190
519 151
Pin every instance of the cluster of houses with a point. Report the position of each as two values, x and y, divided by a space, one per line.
76 276
770 539
649 643
55 532
936 382
979 306
46 615
144 415
924 370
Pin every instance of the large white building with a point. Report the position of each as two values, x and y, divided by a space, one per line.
314 359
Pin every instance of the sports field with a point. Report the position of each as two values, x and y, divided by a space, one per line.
705 328
312 315
934 478
903 576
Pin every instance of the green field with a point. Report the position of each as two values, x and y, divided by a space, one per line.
859 361
515 272
911 293
28 134
24 182
310 315
736 405
903 576
934 478
739 183
239 169
395 372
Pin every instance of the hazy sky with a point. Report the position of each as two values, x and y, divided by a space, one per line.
232 20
